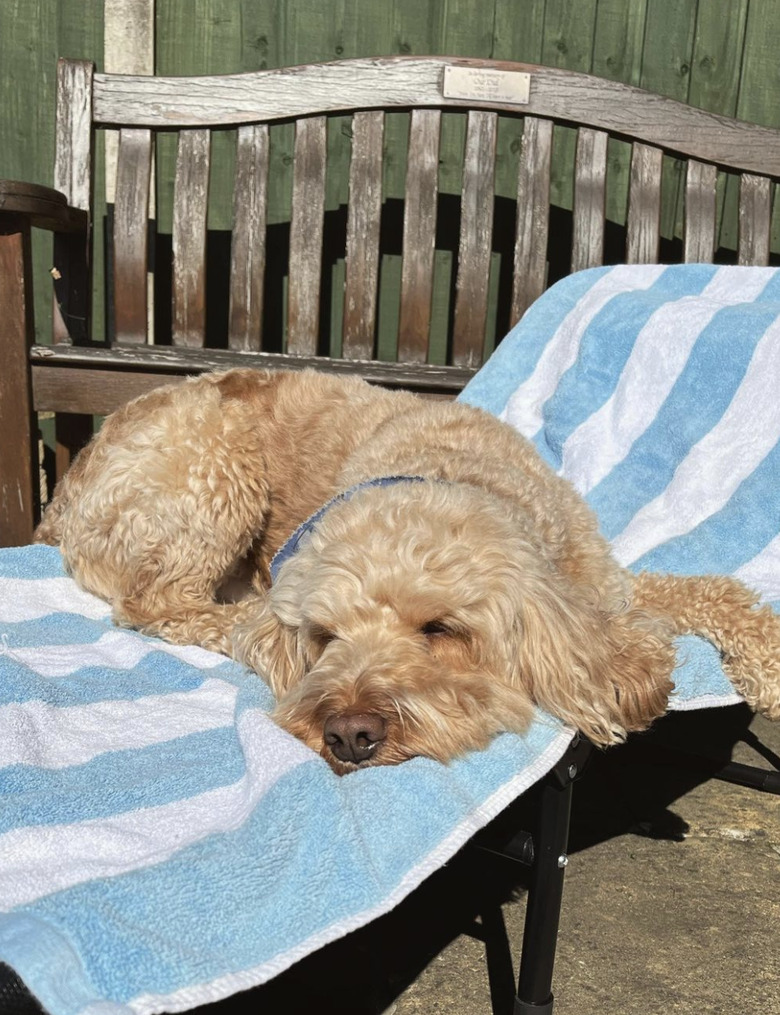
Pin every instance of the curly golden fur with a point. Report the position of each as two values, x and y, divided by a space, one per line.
419 618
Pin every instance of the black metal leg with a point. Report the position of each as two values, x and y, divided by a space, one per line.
545 892
15 998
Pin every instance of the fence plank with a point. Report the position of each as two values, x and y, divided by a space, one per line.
203 38
518 30
128 48
567 42
716 69
667 53
758 86
618 41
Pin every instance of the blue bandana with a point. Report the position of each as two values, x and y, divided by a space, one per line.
290 548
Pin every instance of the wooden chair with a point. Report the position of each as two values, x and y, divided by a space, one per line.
82 373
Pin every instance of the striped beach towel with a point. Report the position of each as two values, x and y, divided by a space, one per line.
656 391
163 844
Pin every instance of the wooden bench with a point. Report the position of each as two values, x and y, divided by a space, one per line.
82 373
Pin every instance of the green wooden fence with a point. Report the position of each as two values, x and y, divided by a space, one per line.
720 56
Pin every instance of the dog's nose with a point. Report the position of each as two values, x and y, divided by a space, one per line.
355 736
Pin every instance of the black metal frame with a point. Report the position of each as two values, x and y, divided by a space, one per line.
15 998
545 891
544 850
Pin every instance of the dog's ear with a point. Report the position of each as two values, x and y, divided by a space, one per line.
606 674
269 647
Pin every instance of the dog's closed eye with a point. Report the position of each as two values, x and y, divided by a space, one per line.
434 628
446 639
320 635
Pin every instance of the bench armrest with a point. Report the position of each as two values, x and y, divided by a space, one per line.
40 206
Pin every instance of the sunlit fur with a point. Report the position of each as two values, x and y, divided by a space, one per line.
448 608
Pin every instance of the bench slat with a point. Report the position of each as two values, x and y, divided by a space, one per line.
476 236
533 215
247 250
73 177
701 182
58 385
644 205
755 219
422 184
306 229
590 179
190 211
73 156
131 234
407 81
363 220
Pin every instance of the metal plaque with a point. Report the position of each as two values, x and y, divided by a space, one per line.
486 85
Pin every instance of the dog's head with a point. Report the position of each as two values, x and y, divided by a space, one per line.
422 620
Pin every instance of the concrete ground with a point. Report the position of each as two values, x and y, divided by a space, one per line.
671 904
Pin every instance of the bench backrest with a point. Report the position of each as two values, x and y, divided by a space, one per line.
485 94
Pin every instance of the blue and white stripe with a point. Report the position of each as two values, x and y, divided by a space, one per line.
163 844
662 407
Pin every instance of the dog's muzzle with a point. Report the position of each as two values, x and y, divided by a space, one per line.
355 737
